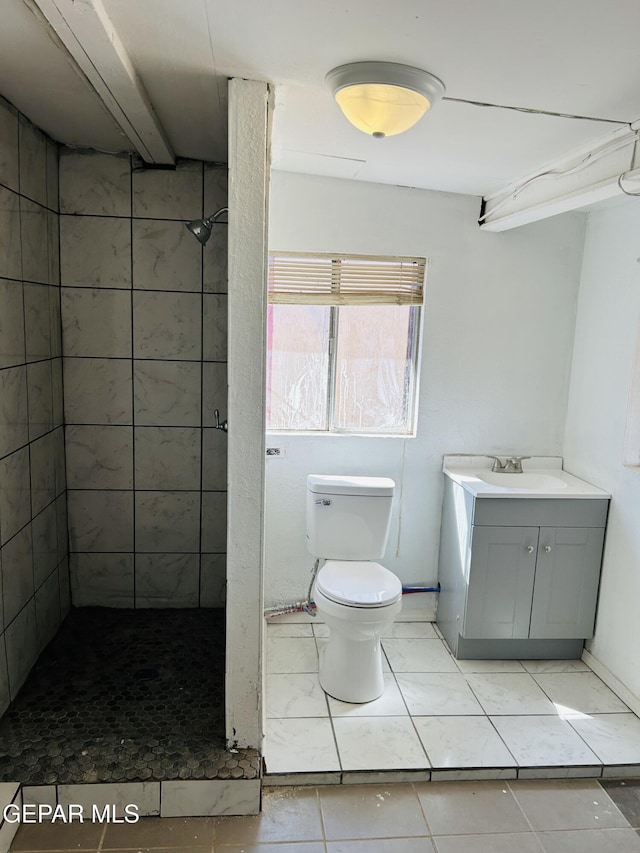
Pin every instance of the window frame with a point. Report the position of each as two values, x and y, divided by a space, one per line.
414 344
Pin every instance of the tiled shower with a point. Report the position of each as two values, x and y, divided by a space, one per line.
113 346
144 330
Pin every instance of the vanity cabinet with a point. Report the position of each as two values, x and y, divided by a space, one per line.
519 577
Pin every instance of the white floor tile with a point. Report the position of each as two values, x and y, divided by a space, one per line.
291 654
390 704
437 693
293 746
510 693
415 655
320 629
411 630
462 742
579 692
615 738
542 740
378 743
295 695
535 666
289 629
490 666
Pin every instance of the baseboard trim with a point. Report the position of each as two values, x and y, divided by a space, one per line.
612 682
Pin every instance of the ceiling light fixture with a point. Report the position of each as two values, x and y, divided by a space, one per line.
384 98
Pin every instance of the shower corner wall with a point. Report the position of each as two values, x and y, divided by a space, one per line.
33 513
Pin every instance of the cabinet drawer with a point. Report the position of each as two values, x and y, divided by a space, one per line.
552 512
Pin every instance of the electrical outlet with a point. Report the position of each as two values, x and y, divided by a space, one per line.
276 452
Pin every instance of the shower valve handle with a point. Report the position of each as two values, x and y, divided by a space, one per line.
219 424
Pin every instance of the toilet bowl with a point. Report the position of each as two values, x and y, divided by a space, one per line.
348 521
358 600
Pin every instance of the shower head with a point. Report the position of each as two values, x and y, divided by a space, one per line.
201 228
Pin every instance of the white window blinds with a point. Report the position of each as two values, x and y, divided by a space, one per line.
317 279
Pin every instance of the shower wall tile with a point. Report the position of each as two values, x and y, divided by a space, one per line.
10 245
95 251
14 426
53 238
62 527
167 458
40 398
34 225
167 580
53 184
97 391
64 585
33 553
5 697
95 184
214 334
214 261
167 325
57 392
96 323
214 522
15 493
55 322
43 472
169 194
9 147
37 320
100 520
17 573
102 579
213 580
168 521
216 188
12 350
33 162
47 600
44 534
167 393
22 647
214 460
214 393
166 256
99 457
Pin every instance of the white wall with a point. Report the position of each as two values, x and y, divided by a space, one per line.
604 354
498 335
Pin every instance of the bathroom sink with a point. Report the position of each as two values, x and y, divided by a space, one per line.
526 480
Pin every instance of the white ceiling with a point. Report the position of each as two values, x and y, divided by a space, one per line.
577 57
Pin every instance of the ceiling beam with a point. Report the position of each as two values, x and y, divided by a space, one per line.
587 176
90 37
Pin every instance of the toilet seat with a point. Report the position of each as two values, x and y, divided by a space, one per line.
358 583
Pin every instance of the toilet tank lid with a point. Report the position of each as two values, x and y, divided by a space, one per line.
333 484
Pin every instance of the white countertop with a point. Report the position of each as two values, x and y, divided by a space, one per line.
468 471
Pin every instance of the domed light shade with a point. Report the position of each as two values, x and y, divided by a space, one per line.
384 98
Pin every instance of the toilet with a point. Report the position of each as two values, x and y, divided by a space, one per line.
348 522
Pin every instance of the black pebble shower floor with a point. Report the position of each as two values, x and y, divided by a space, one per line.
125 696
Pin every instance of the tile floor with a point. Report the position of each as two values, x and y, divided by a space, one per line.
550 816
440 718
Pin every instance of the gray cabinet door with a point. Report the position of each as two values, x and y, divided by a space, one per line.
501 575
566 583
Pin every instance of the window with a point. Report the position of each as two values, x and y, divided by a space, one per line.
342 342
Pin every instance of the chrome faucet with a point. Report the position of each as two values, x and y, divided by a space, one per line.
511 465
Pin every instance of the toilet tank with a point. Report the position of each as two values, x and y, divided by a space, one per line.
348 518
